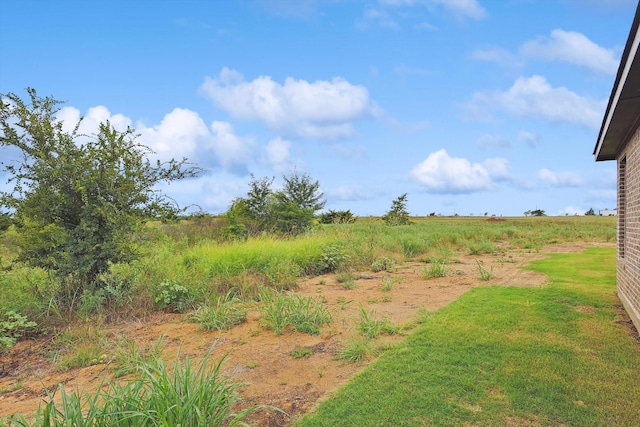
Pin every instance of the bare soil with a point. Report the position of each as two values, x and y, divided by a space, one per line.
260 358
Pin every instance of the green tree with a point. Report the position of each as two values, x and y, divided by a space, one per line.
398 214
590 212
290 210
79 202
296 204
538 212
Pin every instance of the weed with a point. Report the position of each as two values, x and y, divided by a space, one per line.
251 365
224 314
434 270
301 352
307 315
302 314
483 246
129 356
80 347
350 284
483 273
356 350
388 282
384 264
371 328
183 394
347 280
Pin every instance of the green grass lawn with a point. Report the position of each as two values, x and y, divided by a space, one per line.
515 356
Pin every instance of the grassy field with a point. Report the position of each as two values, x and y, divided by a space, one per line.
184 265
499 356
557 355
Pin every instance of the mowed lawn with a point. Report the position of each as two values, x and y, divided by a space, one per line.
560 355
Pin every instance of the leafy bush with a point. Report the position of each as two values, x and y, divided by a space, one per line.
331 258
336 217
5 221
12 326
169 294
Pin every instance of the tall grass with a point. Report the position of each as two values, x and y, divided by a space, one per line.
208 268
280 310
184 394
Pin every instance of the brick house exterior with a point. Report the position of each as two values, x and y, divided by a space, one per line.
619 140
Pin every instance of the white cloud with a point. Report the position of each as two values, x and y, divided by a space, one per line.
560 179
178 134
70 116
529 138
571 211
231 150
277 154
181 133
534 97
295 109
574 48
441 173
493 141
463 8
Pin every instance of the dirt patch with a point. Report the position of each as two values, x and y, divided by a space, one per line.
261 359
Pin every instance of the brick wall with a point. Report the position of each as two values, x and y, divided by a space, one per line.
628 273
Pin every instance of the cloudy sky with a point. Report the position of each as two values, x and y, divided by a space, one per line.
469 106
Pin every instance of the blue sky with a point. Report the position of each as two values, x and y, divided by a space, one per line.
469 106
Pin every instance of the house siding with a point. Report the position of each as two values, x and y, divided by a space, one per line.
628 270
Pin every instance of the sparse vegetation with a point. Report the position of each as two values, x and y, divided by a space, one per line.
483 273
185 394
436 269
371 327
280 310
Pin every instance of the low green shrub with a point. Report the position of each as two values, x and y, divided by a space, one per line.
12 326
169 294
